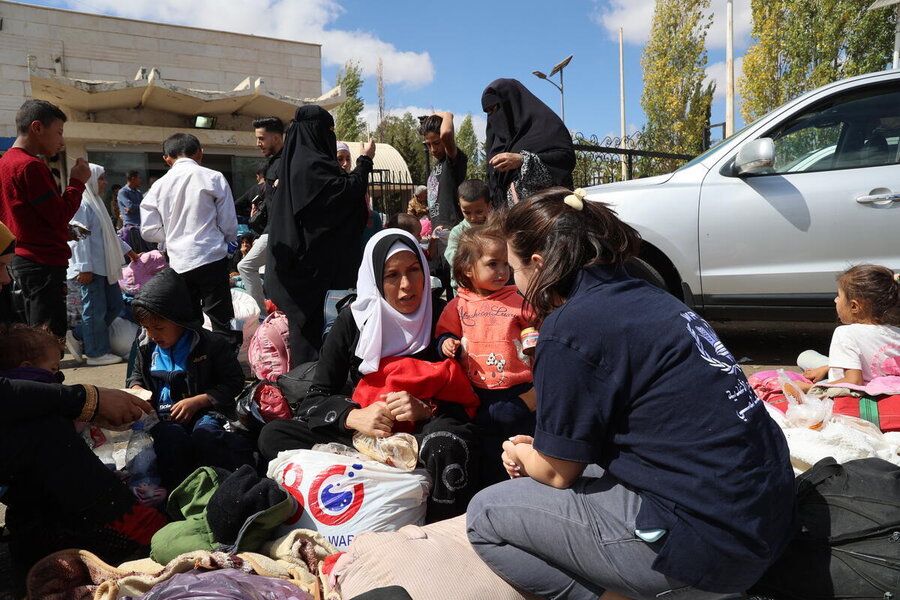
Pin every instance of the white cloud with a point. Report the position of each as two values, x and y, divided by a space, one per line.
370 116
636 18
716 72
306 20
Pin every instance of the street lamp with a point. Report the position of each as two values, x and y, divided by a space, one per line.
561 86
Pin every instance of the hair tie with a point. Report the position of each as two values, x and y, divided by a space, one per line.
576 199
896 277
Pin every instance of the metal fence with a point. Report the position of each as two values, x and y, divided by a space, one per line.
390 191
614 159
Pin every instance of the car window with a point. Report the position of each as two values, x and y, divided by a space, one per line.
856 129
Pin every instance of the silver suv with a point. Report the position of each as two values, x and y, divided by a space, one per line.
760 225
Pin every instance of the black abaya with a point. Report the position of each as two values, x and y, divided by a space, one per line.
521 122
315 227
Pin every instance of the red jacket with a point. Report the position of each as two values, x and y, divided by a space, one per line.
489 328
425 380
34 210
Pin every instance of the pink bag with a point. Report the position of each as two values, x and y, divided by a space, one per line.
140 271
269 351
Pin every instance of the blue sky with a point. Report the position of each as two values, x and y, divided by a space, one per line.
442 55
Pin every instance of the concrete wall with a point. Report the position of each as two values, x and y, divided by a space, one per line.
98 48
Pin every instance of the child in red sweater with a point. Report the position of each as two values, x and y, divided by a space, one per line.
482 327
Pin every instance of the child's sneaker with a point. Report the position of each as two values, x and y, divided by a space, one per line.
106 359
74 347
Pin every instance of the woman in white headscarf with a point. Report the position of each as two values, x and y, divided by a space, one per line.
391 317
96 264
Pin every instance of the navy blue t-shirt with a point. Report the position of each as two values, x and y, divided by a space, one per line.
632 380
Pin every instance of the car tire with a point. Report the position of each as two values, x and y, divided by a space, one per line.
641 269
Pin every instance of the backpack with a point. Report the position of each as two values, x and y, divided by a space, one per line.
847 544
269 351
335 302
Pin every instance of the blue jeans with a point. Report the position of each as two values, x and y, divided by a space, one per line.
100 305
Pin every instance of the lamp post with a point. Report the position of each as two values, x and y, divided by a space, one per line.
561 86
884 4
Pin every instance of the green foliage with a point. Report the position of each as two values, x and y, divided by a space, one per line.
676 101
348 126
467 141
402 133
804 44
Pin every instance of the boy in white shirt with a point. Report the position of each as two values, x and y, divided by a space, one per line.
191 209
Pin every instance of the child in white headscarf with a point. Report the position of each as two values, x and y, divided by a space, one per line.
96 265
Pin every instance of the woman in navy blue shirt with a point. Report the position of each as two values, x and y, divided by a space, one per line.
654 471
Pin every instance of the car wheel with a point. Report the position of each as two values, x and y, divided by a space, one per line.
641 269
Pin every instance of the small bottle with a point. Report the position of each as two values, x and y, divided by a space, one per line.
529 337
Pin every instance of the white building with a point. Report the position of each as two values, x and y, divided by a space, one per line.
127 85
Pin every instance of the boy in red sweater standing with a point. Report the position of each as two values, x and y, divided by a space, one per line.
37 214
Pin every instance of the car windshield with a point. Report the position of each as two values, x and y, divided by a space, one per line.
705 155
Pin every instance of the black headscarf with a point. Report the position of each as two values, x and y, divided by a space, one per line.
522 122
309 159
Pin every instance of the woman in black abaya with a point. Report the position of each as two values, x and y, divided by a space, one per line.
315 226
528 146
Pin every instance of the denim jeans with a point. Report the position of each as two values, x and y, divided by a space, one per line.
100 305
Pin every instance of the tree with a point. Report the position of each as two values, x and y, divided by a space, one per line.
786 60
403 134
468 142
676 100
348 125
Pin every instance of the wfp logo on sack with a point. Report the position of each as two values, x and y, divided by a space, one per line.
334 495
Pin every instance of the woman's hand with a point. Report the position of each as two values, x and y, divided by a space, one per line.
84 278
374 420
450 347
184 410
116 408
506 161
513 454
817 374
406 407
367 148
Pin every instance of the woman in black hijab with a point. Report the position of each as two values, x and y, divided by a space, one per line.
528 145
315 226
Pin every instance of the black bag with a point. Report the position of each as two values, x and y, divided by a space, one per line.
295 384
848 539
260 219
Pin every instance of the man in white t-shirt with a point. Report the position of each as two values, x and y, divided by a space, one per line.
191 210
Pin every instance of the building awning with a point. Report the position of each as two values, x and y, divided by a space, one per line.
149 90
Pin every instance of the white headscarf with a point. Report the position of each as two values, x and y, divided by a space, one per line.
383 331
112 249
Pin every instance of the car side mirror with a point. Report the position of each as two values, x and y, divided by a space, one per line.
755 158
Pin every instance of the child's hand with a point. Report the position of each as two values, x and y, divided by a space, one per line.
374 420
817 374
84 278
530 399
450 347
184 410
406 407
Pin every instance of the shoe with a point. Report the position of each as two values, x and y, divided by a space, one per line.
74 347
106 359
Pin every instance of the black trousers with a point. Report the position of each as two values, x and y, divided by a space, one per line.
448 449
59 494
210 292
44 292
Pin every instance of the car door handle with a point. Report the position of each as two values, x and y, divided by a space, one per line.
876 198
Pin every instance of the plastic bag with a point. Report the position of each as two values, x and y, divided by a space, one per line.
122 334
400 450
804 410
224 584
342 496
